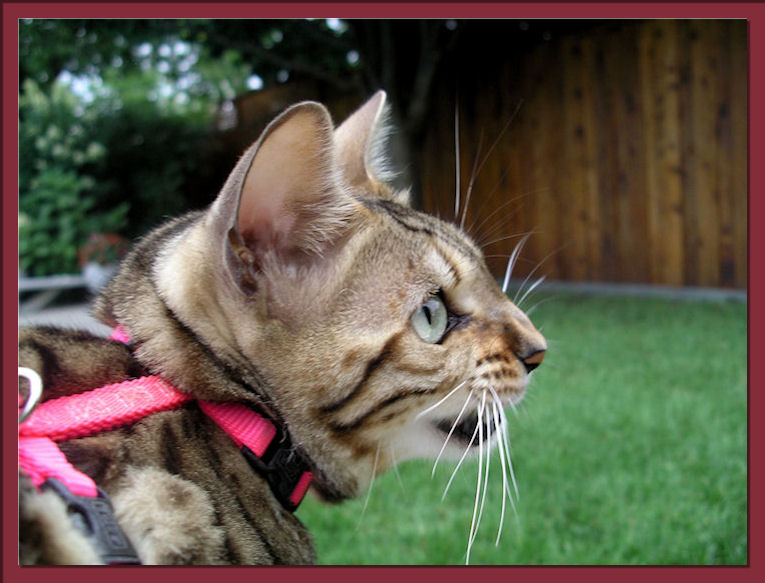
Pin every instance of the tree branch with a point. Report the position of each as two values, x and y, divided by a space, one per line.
274 58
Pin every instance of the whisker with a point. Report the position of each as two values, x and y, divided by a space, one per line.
473 174
500 239
531 289
539 303
471 229
429 409
369 491
392 453
457 156
538 265
443 447
533 271
476 228
486 473
495 419
497 255
473 527
504 443
486 157
511 261
488 236
459 463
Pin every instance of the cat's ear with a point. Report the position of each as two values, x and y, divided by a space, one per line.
285 199
360 143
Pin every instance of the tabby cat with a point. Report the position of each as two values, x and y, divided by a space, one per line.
369 332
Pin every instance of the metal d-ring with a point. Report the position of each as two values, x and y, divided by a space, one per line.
35 392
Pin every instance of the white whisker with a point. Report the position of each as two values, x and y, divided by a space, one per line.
473 174
369 491
477 228
488 464
457 156
531 289
472 228
500 239
533 271
459 463
539 303
504 443
475 171
429 409
511 261
395 469
495 418
454 425
473 526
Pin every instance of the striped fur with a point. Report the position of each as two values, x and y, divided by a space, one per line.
293 291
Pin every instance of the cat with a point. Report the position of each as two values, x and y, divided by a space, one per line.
368 332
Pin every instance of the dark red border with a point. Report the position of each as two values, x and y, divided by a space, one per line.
11 12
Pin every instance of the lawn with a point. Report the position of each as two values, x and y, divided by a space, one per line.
631 448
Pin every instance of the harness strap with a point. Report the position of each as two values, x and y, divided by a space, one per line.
241 424
102 409
266 447
41 459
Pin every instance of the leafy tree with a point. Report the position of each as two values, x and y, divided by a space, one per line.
199 63
155 86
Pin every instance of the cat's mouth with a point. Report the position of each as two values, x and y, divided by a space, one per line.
466 430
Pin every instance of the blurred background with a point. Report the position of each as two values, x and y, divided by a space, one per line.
621 146
622 143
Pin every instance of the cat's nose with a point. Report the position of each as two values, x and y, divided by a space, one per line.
532 358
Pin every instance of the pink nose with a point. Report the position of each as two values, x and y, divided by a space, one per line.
533 360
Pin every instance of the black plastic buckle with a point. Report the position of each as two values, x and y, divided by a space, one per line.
282 465
95 518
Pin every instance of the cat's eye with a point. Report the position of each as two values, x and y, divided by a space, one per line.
430 320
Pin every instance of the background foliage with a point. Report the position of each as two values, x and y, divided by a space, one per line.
149 92
114 116
58 194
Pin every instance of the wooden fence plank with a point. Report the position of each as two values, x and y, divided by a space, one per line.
575 146
739 151
724 136
690 153
633 263
705 75
629 154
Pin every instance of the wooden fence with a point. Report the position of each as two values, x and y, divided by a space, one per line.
627 157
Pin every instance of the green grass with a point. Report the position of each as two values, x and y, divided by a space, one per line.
630 448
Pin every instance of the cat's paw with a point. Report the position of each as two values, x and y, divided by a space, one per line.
169 520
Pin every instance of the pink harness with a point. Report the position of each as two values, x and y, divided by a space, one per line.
119 404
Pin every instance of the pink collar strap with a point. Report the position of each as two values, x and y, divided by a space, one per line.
266 447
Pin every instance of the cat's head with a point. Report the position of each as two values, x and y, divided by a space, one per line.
378 329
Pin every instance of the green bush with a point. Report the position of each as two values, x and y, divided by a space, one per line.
151 157
57 193
113 165
56 221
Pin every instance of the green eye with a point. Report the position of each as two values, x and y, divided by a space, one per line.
430 319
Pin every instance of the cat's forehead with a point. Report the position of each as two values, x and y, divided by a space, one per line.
443 237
